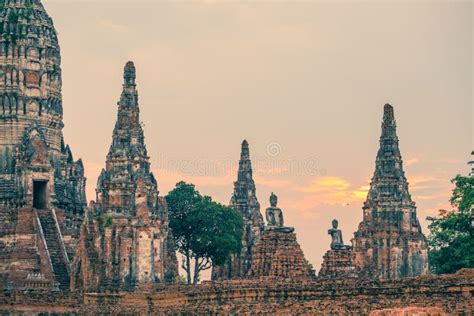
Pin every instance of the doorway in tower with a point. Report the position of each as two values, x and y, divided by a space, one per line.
39 194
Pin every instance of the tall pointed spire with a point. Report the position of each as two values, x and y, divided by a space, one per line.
129 74
128 136
244 176
244 153
389 242
389 181
244 200
127 158
137 230
129 97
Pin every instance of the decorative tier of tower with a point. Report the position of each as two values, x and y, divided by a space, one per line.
127 227
244 200
338 261
277 254
42 188
389 243
31 113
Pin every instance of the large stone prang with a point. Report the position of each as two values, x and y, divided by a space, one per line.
129 217
244 200
389 242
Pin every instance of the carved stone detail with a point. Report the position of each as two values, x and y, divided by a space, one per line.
244 200
125 240
389 242
37 169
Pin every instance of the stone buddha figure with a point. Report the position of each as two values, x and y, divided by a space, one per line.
273 213
337 242
274 216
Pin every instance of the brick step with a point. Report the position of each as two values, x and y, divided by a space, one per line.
52 238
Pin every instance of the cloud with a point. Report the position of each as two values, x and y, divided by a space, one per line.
261 180
433 211
451 161
331 191
430 188
411 161
361 192
431 197
273 170
112 26
327 184
422 182
168 178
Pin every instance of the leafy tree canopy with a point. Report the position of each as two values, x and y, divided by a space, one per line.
204 230
451 236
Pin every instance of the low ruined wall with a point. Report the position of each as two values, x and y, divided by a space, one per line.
39 301
430 295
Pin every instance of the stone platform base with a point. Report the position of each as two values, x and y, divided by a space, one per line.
278 254
24 251
428 295
337 263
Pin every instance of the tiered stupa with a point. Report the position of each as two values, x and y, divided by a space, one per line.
244 200
125 241
277 254
32 150
389 243
42 197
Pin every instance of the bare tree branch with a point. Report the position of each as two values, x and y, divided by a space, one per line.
205 264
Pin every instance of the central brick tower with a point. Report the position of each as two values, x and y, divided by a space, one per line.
125 241
42 196
244 200
389 243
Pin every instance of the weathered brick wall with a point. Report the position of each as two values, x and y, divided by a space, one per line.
22 251
427 295
337 263
278 254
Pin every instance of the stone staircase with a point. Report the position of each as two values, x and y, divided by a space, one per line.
55 246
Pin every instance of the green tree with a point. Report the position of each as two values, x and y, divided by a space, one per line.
205 232
451 237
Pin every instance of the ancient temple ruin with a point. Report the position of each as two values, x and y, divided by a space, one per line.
36 167
42 197
125 241
244 200
277 254
389 243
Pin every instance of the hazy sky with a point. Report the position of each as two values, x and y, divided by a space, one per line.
303 82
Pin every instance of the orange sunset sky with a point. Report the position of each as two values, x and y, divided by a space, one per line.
303 82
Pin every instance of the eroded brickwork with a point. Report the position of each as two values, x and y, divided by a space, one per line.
337 263
31 140
42 194
426 295
389 242
278 254
244 200
125 241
